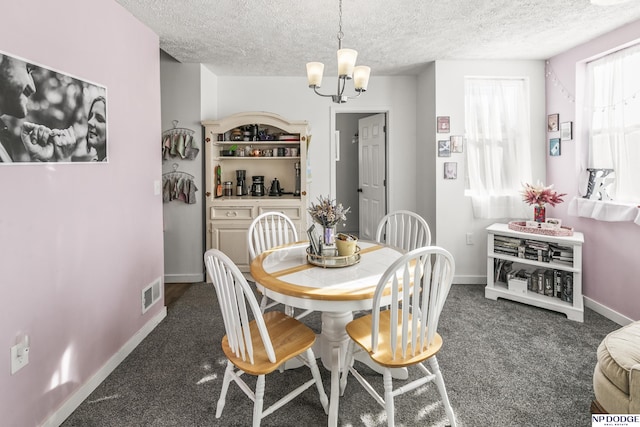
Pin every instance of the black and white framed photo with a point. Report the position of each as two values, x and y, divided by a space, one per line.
49 115
566 131
554 147
552 122
457 142
444 148
450 170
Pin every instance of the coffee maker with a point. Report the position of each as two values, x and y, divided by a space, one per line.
257 188
241 177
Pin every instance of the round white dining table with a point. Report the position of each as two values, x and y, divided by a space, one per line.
284 275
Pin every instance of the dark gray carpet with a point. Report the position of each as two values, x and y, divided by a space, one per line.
504 364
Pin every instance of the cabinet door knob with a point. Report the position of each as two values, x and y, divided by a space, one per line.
234 213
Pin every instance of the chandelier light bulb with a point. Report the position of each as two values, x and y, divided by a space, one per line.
346 62
314 73
361 77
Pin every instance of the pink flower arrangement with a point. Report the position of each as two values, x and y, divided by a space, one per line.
541 195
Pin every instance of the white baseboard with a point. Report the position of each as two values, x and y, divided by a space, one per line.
610 314
72 403
184 278
470 280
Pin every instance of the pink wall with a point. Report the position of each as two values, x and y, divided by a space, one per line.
611 265
79 242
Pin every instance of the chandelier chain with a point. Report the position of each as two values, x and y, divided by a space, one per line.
340 33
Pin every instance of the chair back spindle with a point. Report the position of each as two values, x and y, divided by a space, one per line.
404 229
269 230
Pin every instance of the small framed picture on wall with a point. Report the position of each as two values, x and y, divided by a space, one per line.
554 147
444 148
450 170
443 124
552 122
457 141
566 131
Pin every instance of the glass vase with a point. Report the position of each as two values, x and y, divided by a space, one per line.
329 235
539 214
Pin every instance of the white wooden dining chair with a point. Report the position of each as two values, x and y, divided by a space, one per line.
266 231
257 343
416 287
403 229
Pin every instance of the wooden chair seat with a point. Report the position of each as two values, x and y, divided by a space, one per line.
289 338
360 331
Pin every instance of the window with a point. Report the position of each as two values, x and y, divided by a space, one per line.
498 145
613 120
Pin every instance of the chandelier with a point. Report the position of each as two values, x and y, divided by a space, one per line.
346 71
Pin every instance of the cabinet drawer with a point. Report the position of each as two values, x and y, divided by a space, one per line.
243 212
292 212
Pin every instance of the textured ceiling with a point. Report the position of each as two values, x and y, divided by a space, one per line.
393 37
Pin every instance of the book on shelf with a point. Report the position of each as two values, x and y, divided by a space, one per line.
557 279
567 287
506 241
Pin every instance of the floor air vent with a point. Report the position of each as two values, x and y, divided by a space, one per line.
151 294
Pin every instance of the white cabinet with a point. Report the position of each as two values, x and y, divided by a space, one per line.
547 269
228 216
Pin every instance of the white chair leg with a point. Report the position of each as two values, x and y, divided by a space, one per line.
225 386
257 405
388 397
435 368
324 400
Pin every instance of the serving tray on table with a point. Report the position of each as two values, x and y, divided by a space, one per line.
328 261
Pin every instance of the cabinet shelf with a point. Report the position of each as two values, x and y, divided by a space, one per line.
495 289
270 142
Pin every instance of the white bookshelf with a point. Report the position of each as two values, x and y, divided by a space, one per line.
574 310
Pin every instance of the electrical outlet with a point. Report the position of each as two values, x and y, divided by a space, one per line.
469 238
20 355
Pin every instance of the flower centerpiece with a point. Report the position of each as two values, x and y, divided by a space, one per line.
539 196
328 213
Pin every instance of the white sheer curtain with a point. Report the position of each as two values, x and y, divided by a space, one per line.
498 145
613 92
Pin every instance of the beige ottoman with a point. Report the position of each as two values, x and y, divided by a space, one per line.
616 378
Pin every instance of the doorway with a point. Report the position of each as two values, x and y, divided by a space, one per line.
347 171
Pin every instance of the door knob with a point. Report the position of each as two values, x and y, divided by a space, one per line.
359 190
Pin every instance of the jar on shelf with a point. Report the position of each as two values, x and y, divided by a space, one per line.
227 189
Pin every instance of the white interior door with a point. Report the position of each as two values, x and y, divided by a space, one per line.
371 177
